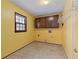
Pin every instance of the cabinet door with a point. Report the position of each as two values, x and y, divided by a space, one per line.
49 21
55 23
43 22
37 22
52 22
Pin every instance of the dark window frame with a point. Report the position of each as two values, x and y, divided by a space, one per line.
25 23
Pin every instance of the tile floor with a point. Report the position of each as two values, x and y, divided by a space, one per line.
39 50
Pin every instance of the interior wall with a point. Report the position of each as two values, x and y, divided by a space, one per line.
43 35
70 30
67 29
12 41
75 29
75 40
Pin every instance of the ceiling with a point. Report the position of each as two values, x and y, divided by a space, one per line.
38 8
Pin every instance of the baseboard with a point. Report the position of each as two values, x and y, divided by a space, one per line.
17 50
47 42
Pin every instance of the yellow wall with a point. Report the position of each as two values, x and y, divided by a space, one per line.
12 41
67 29
45 36
70 30
54 37
75 40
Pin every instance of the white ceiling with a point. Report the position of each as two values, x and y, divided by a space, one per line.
37 7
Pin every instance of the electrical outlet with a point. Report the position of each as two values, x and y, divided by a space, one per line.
49 31
62 24
38 35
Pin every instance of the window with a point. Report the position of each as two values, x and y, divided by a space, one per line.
20 23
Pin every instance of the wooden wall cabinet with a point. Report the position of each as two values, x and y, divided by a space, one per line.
47 22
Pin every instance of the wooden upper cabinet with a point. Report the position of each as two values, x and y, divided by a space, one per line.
47 22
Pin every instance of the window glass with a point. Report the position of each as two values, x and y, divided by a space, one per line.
20 24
